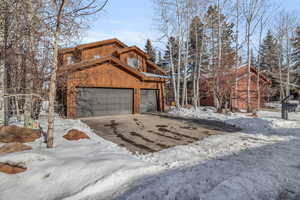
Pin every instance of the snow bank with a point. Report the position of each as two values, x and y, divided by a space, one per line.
72 168
266 122
260 162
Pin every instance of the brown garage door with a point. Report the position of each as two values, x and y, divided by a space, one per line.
148 101
103 101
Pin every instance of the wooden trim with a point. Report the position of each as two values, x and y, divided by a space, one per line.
95 62
133 48
93 45
100 43
157 67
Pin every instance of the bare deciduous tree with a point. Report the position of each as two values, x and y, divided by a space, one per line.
65 15
252 11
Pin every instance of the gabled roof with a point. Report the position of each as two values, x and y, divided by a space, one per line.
243 69
94 44
103 42
135 49
242 72
96 62
157 67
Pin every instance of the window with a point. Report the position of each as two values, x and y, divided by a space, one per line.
70 60
97 56
133 62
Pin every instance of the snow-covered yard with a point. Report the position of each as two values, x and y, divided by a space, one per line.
261 162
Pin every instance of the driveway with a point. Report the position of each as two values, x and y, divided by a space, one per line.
151 133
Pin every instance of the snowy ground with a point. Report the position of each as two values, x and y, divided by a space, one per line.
262 162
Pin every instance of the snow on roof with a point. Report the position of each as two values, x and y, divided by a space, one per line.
154 75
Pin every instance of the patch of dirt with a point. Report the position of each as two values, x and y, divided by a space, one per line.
9 134
75 135
9 168
139 123
14 147
161 126
188 127
178 134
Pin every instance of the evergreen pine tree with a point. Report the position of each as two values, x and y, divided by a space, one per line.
268 58
171 45
159 58
268 53
227 37
196 41
150 50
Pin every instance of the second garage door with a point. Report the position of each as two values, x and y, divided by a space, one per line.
148 100
92 102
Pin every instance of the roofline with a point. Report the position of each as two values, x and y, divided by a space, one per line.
133 48
93 44
102 42
66 50
92 63
157 67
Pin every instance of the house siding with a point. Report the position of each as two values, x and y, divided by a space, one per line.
239 102
108 75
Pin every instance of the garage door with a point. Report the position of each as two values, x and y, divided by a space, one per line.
148 101
103 101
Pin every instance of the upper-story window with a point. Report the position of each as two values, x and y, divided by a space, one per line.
70 60
133 62
96 56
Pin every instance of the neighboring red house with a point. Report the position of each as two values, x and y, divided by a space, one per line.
239 101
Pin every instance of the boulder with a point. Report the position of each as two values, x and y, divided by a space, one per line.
75 135
9 134
254 115
14 147
11 168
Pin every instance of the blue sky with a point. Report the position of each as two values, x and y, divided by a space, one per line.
128 20
131 21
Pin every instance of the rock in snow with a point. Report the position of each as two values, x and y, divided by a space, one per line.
75 135
8 168
14 147
14 133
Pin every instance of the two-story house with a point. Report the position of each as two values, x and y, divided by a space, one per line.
109 78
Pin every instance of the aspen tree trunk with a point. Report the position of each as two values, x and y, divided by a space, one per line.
179 40
213 65
249 69
52 92
194 72
5 70
173 73
178 74
28 99
280 70
258 68
184 96
287 60
219 58
237 52
199 72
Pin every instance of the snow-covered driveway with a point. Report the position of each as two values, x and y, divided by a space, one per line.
262 162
